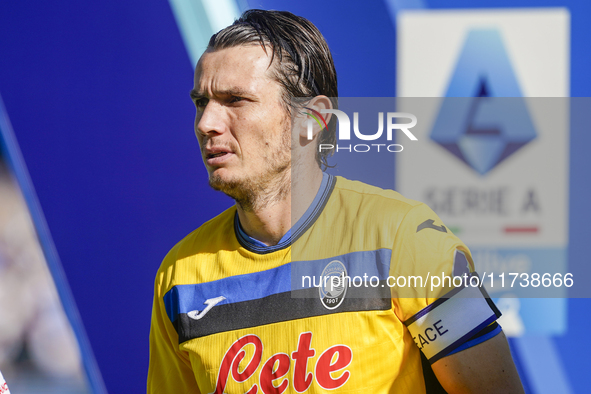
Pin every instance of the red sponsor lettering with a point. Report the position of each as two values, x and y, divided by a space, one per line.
324 366
331 361
232 359
301 381
269 374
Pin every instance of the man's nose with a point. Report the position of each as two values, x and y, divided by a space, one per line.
212 120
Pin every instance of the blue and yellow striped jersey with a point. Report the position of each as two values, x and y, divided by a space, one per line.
345 301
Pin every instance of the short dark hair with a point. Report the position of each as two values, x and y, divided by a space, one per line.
305 67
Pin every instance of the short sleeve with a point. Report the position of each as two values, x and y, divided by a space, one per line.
442 305
425 248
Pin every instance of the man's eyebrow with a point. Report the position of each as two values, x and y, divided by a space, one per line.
228 92
195 94
235 92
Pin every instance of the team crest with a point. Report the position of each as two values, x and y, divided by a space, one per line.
333 287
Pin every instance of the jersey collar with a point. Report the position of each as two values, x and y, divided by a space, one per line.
303 224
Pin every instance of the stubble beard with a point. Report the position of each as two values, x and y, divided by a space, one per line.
253 193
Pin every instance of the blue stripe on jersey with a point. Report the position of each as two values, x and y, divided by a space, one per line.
362 264
186 298
256 285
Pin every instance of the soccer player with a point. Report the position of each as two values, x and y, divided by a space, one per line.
232 310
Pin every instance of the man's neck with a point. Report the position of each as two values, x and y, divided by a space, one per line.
270 222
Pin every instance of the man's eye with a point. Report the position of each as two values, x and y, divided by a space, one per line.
201 103
236 99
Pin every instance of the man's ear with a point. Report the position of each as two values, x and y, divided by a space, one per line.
312 116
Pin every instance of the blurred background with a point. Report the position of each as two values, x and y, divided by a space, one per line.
100 172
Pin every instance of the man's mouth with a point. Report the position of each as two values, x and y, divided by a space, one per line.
213 155
217 156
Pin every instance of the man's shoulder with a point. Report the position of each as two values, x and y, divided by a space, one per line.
373 205
363 193
208 237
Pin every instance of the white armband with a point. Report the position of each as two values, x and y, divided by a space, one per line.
452 320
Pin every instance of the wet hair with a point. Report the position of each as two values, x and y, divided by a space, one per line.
303 64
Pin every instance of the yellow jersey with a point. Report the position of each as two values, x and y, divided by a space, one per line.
346 300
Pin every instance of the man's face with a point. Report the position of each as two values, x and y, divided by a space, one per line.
242 127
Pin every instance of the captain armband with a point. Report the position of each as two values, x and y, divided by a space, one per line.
451 321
